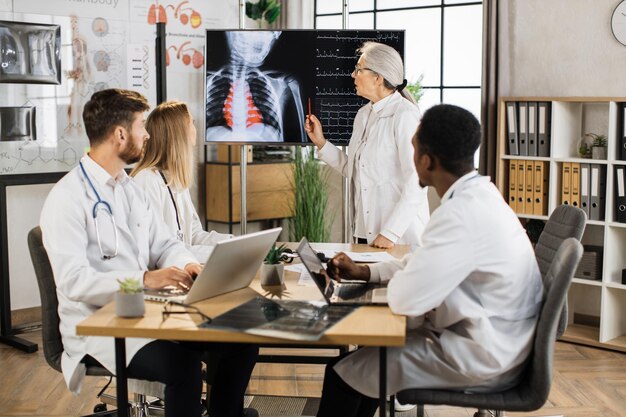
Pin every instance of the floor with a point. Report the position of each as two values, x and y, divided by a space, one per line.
588 382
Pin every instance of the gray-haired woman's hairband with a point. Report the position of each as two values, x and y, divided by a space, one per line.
401 86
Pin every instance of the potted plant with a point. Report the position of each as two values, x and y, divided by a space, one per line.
310 185
272 269
598 147
129 300
415 88
267 10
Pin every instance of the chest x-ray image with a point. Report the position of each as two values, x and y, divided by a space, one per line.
253 92
30 53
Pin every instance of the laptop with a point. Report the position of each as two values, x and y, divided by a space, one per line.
337 293
232 265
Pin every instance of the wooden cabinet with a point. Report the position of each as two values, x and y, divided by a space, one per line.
596 307
269 195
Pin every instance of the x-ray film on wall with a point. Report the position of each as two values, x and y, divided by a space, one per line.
259 83
30 53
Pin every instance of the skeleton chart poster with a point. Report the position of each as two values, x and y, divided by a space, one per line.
259 83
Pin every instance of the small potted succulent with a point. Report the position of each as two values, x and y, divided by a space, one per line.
272 269
598 147
129 300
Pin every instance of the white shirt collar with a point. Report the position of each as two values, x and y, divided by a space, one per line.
380 104
100 175
457 184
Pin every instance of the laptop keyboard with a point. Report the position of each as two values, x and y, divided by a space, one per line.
354 292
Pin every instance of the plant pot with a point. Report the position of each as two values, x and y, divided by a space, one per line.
129 305
598 152
272 274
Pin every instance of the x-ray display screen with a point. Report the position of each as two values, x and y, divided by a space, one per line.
260 84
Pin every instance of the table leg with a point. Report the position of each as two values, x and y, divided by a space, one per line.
382 383
122 383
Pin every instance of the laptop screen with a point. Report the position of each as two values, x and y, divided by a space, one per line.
316 269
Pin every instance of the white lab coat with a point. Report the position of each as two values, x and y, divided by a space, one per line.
393 203
198 241
476 289
84 281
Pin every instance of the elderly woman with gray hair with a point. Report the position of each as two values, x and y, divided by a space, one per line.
388 205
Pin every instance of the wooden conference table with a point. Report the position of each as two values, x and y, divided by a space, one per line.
367 326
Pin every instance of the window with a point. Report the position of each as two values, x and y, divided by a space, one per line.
443 42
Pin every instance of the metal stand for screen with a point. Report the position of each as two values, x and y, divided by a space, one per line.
345 183
243 157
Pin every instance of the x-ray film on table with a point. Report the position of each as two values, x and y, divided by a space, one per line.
285 319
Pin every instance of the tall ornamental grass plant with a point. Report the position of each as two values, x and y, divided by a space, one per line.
310 199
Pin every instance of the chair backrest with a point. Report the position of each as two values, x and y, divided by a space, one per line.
535 387
52 343
565 222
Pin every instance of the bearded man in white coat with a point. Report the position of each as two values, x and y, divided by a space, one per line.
472 291
98 226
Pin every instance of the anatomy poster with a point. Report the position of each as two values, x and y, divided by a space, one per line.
186 22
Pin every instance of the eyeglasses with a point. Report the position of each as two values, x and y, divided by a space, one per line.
173 307
358 71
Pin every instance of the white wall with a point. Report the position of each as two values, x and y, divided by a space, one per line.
24 205
560 48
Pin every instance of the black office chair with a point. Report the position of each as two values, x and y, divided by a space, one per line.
52 343
534 387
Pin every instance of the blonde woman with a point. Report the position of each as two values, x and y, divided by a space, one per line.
388 206
166 172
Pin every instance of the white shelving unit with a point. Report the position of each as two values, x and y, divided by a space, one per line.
597 309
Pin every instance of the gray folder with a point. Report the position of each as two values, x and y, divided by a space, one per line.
532 129
544 117
522 107
585 181
598 192
511 128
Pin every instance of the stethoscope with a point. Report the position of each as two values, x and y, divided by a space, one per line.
99 206
179 233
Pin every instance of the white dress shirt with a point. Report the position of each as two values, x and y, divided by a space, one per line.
387 197
197 240
473 292
85 282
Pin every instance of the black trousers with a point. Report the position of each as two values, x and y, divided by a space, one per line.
179 367
340 399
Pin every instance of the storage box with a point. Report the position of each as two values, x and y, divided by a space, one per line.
590 266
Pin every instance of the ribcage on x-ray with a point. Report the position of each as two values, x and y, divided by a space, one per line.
218 88
264 98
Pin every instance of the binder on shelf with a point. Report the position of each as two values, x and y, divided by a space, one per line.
511 123
513 184
522 107
532 129
575 185
528 187
566 183
544 110
621 153
521 174
620 194
540 189
598 192
585 178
